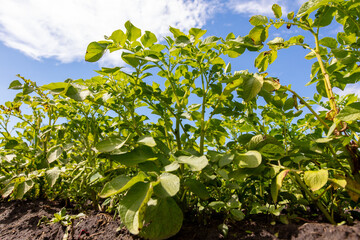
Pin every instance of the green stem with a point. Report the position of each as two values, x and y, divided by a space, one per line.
308 106
327 83
202 124
178 106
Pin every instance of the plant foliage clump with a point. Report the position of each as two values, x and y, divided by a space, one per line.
179 131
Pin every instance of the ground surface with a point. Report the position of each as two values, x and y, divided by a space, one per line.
19 220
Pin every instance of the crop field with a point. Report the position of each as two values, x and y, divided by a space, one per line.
179 134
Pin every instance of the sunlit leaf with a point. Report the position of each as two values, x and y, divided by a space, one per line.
148 39
16 84
350 112
110 144
120 184
258 20
95 51
163 219
195 163
169 185
277 184
276 10
250 159
22 188
55 154
147 140
316 179
252 86
310 6
133 206
118 36
197 32
136 156
324 16
52 175
5 192
132 32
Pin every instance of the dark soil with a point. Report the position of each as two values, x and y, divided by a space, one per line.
20 220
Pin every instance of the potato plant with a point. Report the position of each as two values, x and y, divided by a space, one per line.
177 130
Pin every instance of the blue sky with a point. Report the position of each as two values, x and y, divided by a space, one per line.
45 41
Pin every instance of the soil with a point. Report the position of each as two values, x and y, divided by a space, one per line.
26 220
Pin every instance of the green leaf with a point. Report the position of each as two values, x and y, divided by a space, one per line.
56 86
258 20
258 34
197 32
210 40
195 163
148 39
316 179
5 192
130 59
276 184
163 219
95 51
328 42
16 84
339 182
279 41
226 159
310 55
350 112
23 188
119 37
176 32
133 206
55 154
134 157
198 188
262 62
271 84
346 39
237 214
216 205
289 104
290 15
120 184
272 150
310 6
182 41
171 167
231 86
147 141
52 175
324 16
110 144
252 86
11 144
277 10
169 185
224 229
132 32
250 159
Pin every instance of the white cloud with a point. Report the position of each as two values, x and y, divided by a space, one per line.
350 88
263 7
62 29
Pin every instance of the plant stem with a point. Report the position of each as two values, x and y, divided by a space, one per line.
308 106
202 127
178 106
327 83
